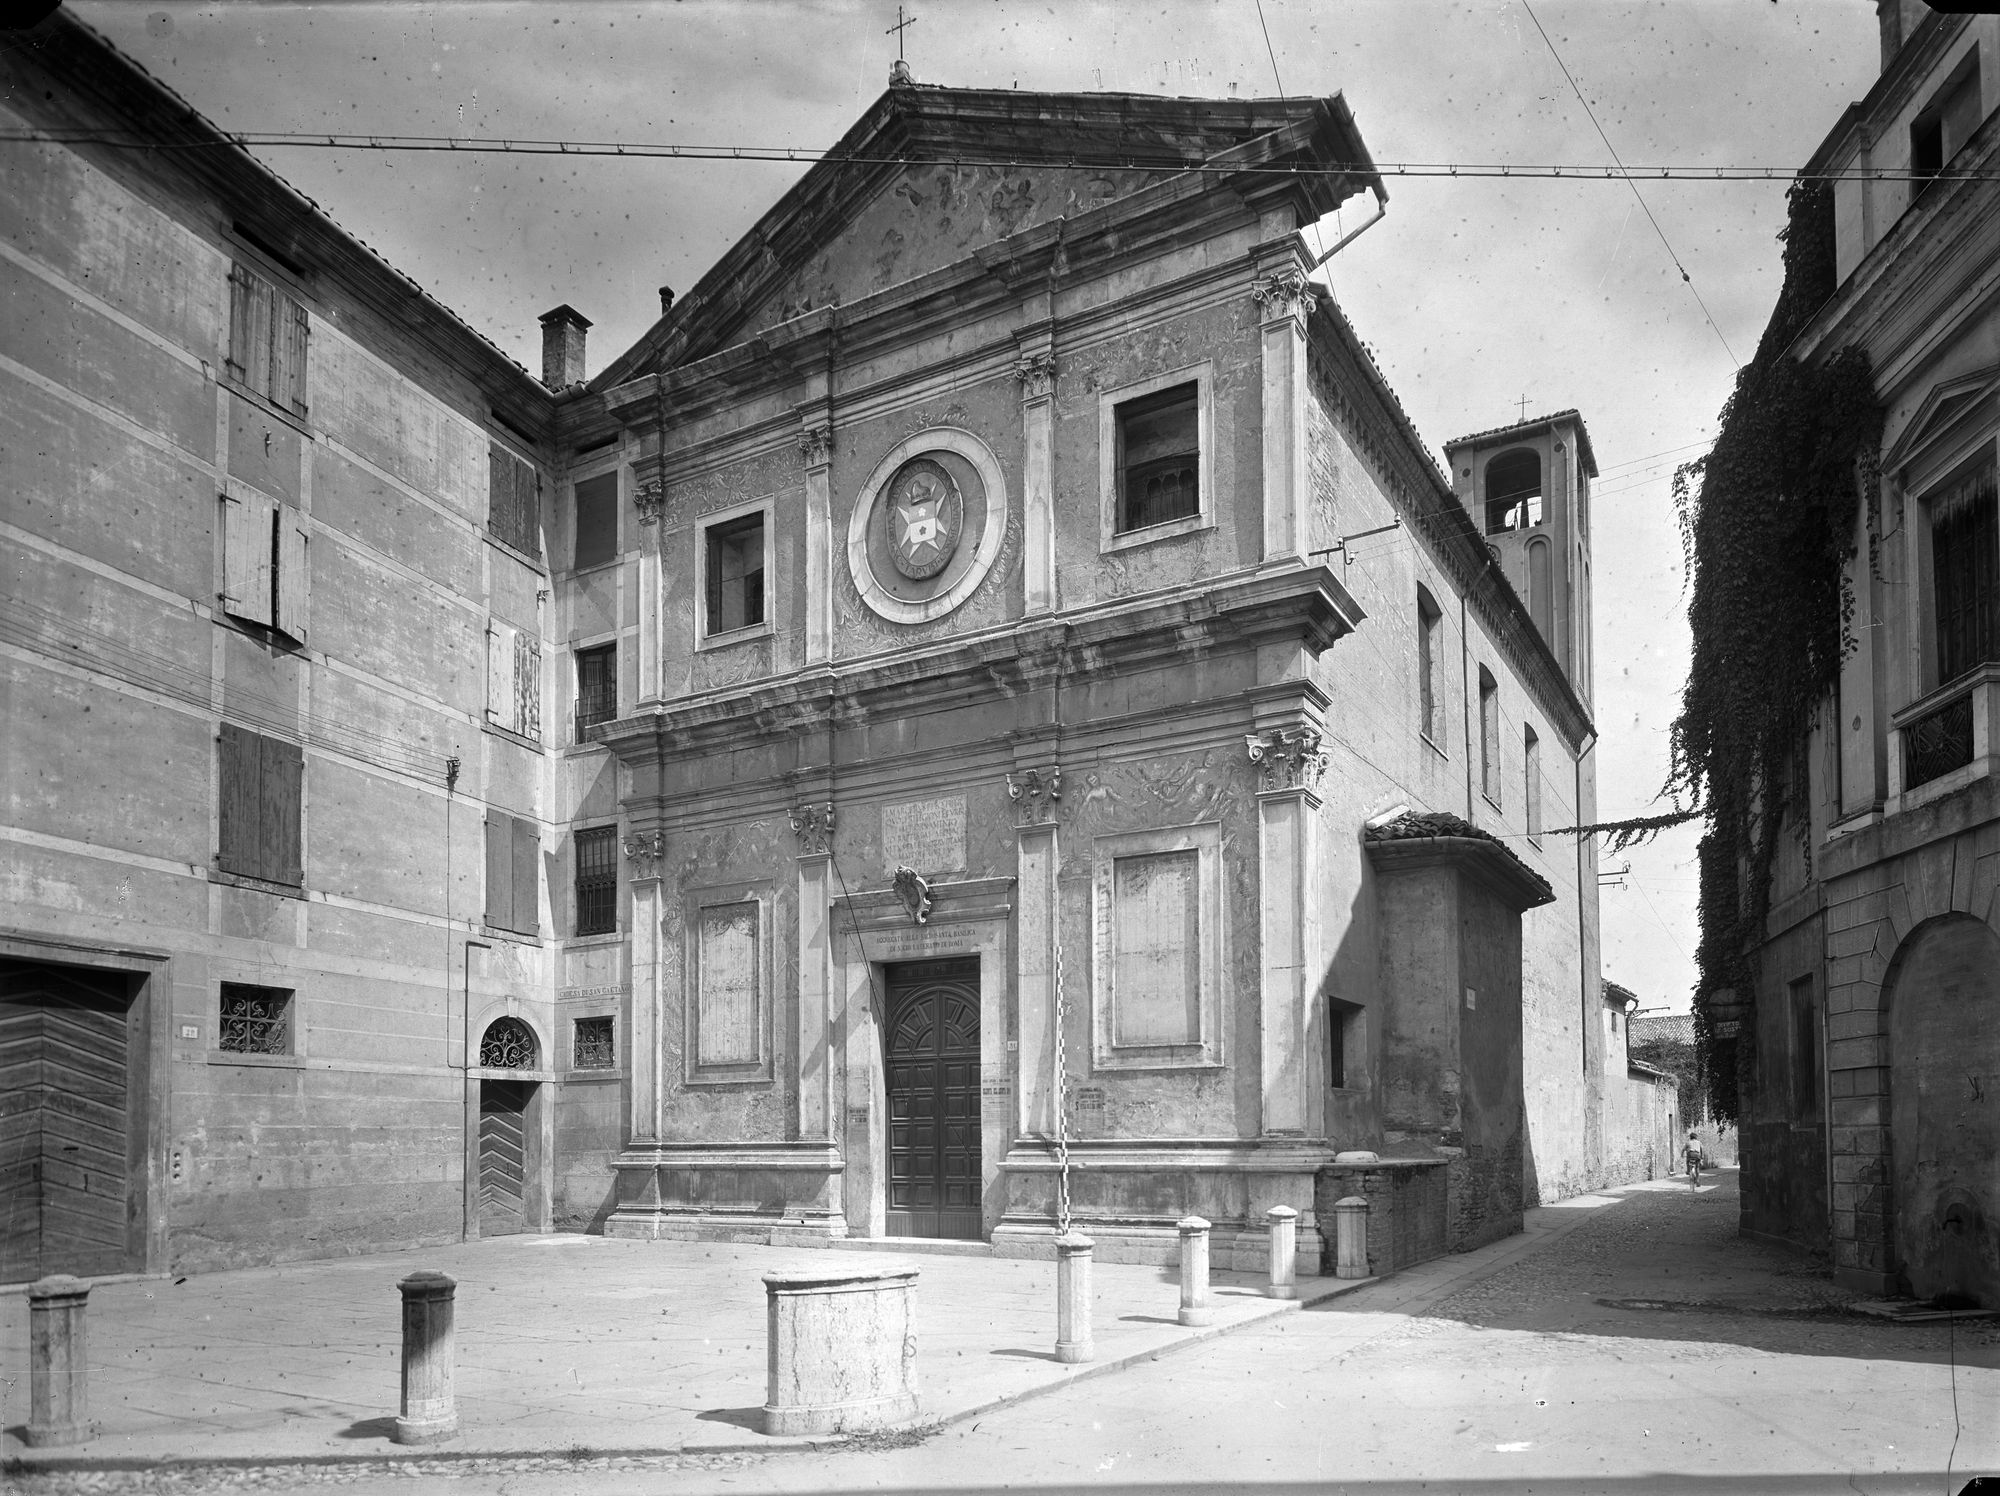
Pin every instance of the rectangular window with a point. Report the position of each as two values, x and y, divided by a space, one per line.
596 521
597 881
268 335
1156 949
1342 1032
1965 572
1430 628
1805 1050
1950 120
1159 458
513 884
1531 779
1489 736
254 1020
514 680
513 500
734 552
596 686
261 783
264 563
594 1044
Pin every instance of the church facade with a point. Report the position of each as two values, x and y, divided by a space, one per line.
1036 589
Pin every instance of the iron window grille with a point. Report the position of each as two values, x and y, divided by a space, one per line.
596 686
254 1020
509 1045
594 1044
597 881
1938 742
1159 458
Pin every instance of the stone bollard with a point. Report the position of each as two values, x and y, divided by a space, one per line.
58 1364
1350 1237
1073 1342
841 1350
1195 1306
1284 1222
430 1356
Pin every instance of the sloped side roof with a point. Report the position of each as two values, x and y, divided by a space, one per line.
1132 137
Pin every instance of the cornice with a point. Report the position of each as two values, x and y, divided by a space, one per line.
1303 604
1487 861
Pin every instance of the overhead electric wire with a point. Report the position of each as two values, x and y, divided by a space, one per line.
1075 161
1685 277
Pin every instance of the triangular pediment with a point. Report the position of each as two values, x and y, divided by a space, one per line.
929 177
1948 406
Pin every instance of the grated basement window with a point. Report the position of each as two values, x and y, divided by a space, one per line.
594 1045
254 1020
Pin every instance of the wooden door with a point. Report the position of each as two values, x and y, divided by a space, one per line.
503 1155
933 1073
65 1121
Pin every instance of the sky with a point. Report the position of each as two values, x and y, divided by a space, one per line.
1472 293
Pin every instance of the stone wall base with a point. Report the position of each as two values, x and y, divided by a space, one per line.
1233 1247
660 1225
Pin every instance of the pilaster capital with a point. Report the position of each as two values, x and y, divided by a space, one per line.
812 824
1290 758
645 850
649 498
1035 795
1283 294
1037 373
816 445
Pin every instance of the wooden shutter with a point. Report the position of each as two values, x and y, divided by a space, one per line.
499 488
250 336
244 289
290 331
499 870
282 767
528 686
527 883
248 525
503 699
288 601
238 849
528 508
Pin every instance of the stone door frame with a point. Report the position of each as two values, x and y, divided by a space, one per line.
874 929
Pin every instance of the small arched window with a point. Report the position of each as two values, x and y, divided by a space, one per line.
1430 701
1540 604
1489 735
1513 491
509 1045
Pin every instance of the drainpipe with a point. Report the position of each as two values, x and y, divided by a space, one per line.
1582 935
1381 211
1465 693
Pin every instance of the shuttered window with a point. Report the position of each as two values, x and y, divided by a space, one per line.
268 337
260 787
264 563
513 855
514 680
513 500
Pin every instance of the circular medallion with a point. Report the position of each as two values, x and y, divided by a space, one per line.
923 515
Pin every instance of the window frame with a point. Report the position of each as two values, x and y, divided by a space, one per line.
1983 460
520 847
606 649
243 817
1110 448
251 280
527 545
1430 693
599 834
576 487
765 627
614 1067
256 991
1491 758
1531 782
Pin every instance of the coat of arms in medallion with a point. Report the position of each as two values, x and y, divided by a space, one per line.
924 514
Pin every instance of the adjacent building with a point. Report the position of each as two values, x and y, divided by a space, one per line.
1869 1124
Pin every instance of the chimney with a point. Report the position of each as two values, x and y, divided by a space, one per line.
562 347
666 300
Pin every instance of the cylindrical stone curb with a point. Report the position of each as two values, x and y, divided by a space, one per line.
430 1356
58 1363
1073 1342
1195 1306
1350 1237
1284 1223
840 1349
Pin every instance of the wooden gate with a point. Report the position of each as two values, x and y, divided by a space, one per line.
65 1121
503 1155
932 1062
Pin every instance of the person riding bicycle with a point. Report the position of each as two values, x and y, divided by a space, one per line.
1692 1152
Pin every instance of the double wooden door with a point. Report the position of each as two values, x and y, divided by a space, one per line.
65 1121
932 1061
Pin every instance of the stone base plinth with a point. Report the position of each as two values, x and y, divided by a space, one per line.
842 1348
1234 1247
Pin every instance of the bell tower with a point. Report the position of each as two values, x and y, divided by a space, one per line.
1527 488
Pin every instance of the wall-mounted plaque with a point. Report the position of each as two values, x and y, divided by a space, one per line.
928 835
